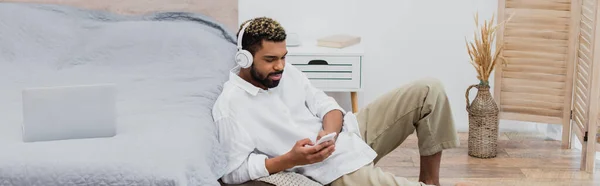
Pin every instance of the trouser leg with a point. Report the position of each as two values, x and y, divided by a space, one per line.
371 175
420 106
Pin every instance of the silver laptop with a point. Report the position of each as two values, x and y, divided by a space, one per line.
69 112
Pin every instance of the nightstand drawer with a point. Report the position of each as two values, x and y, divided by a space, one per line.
329 72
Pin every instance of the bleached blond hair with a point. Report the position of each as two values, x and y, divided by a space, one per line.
261 28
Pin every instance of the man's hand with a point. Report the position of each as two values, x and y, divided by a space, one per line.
304 153
323 133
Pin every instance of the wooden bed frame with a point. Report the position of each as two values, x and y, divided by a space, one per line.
225 12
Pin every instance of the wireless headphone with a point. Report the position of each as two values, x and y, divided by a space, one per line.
243 57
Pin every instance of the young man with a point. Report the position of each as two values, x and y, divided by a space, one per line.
269 117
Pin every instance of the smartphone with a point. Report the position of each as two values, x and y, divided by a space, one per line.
327 137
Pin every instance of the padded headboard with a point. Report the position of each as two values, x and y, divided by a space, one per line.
224 11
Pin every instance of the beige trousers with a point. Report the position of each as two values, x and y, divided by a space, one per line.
420 106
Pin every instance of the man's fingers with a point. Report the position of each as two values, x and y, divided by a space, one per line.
331 150
328 151
321 155
326 144
320 147
324 154
315 149
304 141
311 149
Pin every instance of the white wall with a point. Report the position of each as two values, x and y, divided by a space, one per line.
419 38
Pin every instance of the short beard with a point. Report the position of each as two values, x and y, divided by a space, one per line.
265 81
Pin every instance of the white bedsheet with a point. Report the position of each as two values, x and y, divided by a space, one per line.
168 75
153 155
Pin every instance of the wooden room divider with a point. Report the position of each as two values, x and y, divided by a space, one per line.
553 55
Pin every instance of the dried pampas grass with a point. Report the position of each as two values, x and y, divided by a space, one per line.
480 50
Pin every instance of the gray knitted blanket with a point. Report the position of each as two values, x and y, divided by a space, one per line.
289 179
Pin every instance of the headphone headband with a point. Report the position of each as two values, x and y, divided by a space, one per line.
243 57
240 35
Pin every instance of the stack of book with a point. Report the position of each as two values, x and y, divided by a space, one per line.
338 41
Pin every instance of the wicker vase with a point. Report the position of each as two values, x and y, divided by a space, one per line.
483 123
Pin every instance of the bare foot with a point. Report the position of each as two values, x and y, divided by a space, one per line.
427 182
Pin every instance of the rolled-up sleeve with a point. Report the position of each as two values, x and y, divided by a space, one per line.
317 101
243 163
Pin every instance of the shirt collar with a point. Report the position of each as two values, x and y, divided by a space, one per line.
243 84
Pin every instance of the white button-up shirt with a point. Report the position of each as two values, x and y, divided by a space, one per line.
256 124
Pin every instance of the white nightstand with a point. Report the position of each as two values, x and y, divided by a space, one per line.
330 69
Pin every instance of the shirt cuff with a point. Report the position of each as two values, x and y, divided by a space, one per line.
256 164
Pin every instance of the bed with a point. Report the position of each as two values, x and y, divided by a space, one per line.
168 59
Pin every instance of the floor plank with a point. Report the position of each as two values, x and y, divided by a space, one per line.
523 159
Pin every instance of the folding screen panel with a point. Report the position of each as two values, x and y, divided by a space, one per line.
536 85
553 50
583 69
585 91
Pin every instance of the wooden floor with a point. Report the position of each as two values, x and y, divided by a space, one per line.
523 159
